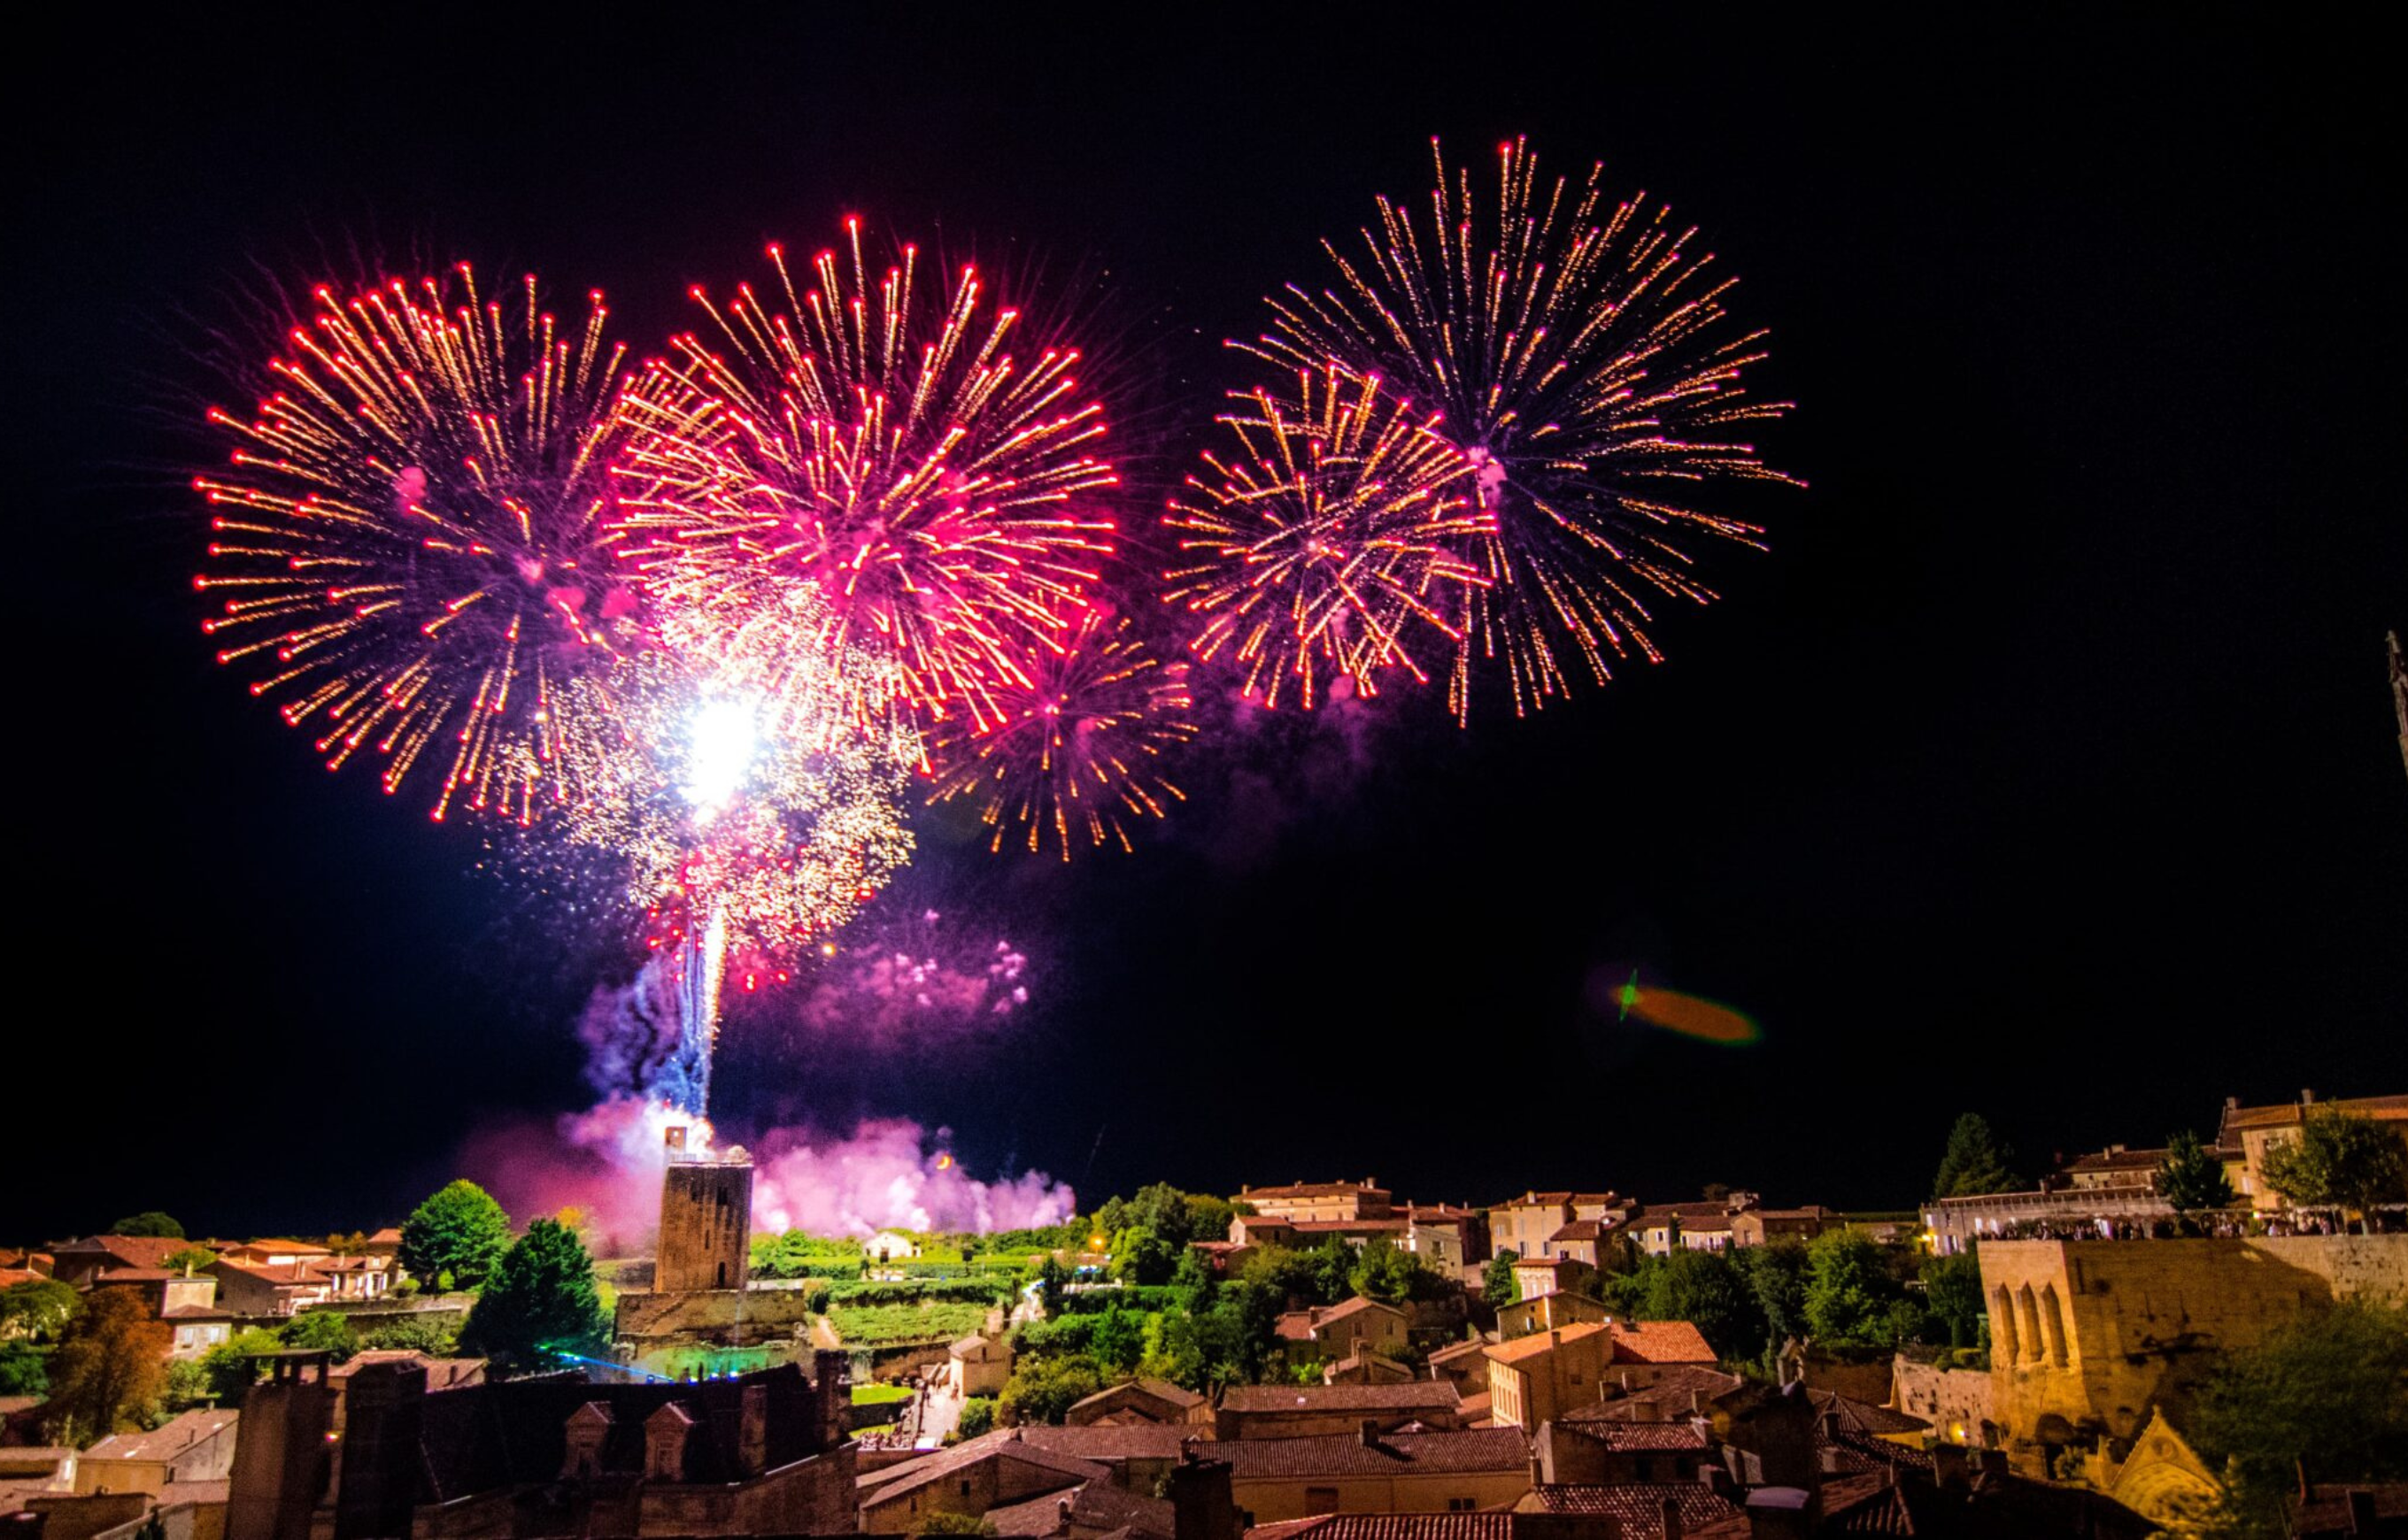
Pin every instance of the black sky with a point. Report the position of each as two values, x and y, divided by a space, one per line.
2045 766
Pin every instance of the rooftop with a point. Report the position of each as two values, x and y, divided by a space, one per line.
1418 1395
1474 1449
166 1440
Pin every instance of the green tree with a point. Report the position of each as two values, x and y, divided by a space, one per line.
1141 1255
539 1302
2325 1398
1043 1390
1239 1332
1776 1275
1207 1217
1162 1209
1389 1274
25 1370
320 1332
1497 1285
1706 1289
457 1234
2339 1160
1052 1278
150 1222
1974 1162
1952 1291
1848 1291
1174 1350
978 1417
1119 1340
1330 1266
232 1366
941 1522
191 1258
2190 1177
110 1368
422 1334
1192 1279
38 1308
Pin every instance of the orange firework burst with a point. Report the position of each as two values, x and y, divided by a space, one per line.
1326 537
1080 749
407 541
1582 357
880 443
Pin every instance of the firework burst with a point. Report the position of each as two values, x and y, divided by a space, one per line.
879 442
1078 748
409 541
1582 358
1320 545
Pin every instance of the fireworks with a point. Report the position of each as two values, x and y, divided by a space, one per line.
1078 749
1579 354
1326 537
878 443
407 542
750 823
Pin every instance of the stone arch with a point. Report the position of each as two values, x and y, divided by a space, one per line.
2004 1342
2027 1324
2052 1325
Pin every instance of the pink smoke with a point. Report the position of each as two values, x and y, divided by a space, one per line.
887 1174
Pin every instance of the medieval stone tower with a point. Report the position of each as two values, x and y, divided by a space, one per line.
706 1220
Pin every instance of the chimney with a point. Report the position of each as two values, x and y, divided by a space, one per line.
1062 1506
1673 1530
1201 1506
1831 1459
753 1430
1948 1463
2307 1097
665 1436
1649 1410
1781 1513
1368 1430
832 1387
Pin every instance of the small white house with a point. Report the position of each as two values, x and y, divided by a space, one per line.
980 1366
890 1246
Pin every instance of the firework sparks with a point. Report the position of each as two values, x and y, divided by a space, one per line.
879 442
761 816
1582 359
407 542
1326 537
1078 749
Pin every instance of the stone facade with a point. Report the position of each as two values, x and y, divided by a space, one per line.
706 1223
2087 1337
1955 1401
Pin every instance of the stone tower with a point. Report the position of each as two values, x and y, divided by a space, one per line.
706 1220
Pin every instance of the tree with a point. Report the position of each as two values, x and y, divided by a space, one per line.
1174 1350
539 1302
415 1332
1043 1390
940 1522
978 1417
2323 1399
2339 1160
1119 1340
1141 1255
1705 1288
1052 1280
38 1308
110 1368
1240 1330
1389 1274
1974 1162
233 1366
1776 1276
322 1331
1952 1291
149 1222
1192 1279
1332 1271
192 1259
460 1232
2191 1176
1497 1285
1848 1291
25 1370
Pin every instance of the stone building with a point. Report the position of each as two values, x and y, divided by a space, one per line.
2246 1134
2088 1337
1308 1202
706 1220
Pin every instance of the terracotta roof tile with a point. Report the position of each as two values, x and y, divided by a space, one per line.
1660 1342
1637 1505
1417 1396
1541 1343
1390 1526
1476 1449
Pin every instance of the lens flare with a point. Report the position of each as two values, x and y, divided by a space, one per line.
410 540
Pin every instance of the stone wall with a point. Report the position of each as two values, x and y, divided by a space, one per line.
2087 1336
713 1314
1955 1401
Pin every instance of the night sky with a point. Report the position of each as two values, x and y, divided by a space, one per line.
2045 766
